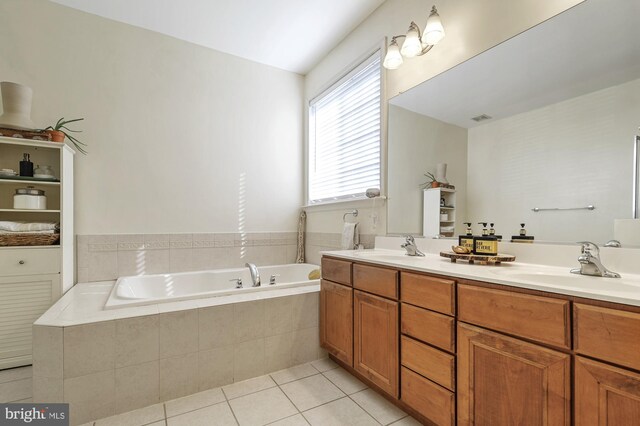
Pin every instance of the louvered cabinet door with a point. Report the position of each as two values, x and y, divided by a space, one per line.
22 300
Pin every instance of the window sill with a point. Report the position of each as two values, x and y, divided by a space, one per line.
343 204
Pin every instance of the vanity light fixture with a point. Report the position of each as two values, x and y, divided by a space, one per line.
416 43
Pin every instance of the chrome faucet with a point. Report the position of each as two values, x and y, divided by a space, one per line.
255 275
590 263
411 247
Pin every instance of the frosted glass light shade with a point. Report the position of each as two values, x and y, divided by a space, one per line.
434 32
412 45
393 58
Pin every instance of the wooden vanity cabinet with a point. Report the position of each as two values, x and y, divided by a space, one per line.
375 328
336 309
506 381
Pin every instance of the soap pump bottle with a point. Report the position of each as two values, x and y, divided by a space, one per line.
467 239
522 237
492 232
26 166
485 244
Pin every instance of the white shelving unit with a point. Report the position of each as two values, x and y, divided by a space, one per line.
438 219
32 278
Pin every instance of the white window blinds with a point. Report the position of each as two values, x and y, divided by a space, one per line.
344 136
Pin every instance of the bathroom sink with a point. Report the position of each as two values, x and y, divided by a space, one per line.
381 255
540 276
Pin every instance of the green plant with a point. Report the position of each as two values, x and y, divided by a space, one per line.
428 183
61 126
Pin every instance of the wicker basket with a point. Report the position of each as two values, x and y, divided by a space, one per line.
28 239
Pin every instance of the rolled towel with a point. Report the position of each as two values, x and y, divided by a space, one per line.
28 226
350 236
52 231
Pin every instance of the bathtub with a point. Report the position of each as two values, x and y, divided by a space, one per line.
153 289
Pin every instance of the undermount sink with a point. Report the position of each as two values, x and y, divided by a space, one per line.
539 276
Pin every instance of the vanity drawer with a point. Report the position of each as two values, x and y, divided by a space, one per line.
338 271
433 364
432 401
433 328
380 281
32 261
542 319
428 292
608 334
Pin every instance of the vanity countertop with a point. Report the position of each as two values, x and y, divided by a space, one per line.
552 279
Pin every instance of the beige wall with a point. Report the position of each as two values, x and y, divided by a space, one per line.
574 153
472 26
181 138
419 144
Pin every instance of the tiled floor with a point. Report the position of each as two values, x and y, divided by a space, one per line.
317 393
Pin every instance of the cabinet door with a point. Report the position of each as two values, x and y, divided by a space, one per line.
605 395
505 381
375 328
22 300
336 320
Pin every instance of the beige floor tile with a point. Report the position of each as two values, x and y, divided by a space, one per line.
214 415
381 409
137 417
345 381
262 407
15 390
311 392
159 423
324 364
343 412
248 386
407 421
194 402
297 420
294 373
14 374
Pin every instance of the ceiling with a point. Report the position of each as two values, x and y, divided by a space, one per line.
293 35
592 46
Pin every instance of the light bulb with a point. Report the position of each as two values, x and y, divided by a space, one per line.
393 58
434 32
412 45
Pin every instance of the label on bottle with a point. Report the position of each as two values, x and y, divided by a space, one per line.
486 247
466 242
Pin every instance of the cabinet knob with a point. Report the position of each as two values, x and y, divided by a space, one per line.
21 262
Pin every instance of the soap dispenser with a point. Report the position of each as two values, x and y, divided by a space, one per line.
492 232
467 239
485 244
522 237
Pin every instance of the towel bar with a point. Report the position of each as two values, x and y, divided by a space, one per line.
354 212
537 209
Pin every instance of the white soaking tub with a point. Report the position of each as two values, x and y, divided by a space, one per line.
161 288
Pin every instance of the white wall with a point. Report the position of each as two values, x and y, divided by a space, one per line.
181 138
573 153
472 26
419 143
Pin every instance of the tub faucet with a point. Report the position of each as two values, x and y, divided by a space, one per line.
255 275
590 263
411 247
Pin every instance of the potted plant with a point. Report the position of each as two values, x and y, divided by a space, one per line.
60 130
431 182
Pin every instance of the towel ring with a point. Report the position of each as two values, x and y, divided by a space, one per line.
354 212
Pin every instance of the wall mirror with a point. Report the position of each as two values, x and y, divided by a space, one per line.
559 111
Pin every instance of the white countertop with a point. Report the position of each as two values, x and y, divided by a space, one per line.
84 304
552 279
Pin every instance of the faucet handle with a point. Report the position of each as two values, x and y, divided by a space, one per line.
238 282
590 248
272 279
410 239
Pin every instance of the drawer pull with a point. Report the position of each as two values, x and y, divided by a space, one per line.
21 262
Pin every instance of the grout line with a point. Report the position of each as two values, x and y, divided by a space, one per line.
164 408
232 412
364 409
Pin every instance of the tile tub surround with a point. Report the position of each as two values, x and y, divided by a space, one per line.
107 257
109 367
317 242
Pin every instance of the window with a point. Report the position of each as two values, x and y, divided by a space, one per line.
344 136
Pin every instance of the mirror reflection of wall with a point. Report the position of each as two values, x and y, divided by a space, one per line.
560 133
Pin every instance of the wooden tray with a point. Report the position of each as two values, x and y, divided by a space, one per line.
479 258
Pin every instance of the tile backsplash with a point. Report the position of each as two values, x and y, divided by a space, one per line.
107 257
321 241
